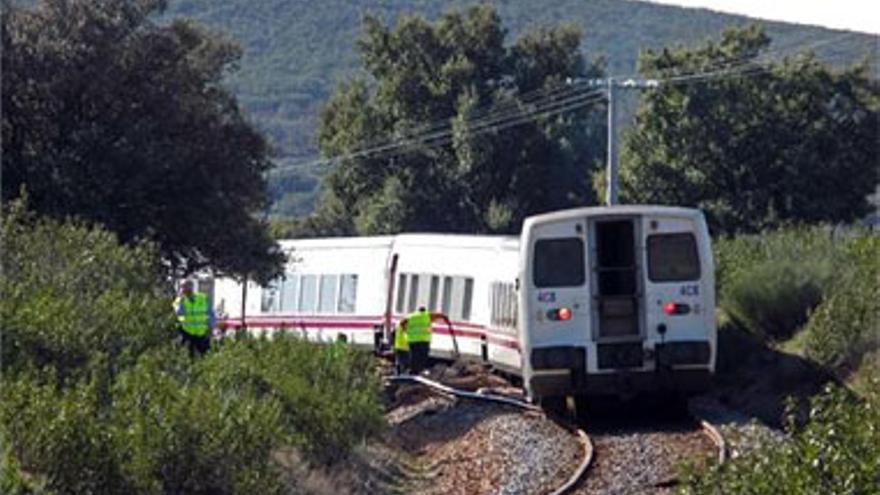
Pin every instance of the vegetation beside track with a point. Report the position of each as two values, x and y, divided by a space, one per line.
837 451
97 398
812 291
811 298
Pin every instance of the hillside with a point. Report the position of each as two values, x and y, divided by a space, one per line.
297 51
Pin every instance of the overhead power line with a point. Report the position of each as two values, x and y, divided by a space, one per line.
546 107
548 101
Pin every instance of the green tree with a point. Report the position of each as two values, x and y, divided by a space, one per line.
111 117
755 144
451 129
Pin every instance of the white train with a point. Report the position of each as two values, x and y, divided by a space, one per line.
603 300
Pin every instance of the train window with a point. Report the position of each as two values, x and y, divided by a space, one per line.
270 297
401 292
308 293
503 305
468 299
559 262
511 313
327 301
413 292
433 293
288 292
446 301
347 293
493 303
497 303
673 257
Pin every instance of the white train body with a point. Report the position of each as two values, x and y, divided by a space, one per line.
617 300
341 286
499 293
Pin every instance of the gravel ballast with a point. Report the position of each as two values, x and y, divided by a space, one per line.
474 448
638 461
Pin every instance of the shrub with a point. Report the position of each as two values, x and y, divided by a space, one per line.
180 433
329 395
735 255
12 482
837 451
773 299
770 284
61 435
71 291
95 398
846 326
171 424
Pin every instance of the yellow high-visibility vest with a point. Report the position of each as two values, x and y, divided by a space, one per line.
401 343
195 315
419 327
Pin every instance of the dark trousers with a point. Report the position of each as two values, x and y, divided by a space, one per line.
195 344
401 361
419 355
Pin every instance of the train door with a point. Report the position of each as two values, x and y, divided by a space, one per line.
616 292
679 288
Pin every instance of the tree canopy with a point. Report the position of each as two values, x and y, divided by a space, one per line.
455 131
296 50
111 117
754 144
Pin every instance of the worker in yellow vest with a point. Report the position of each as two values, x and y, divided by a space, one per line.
418 334
196 318
401 349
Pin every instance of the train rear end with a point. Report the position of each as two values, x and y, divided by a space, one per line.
617 301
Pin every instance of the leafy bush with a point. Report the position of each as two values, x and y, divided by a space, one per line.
836 452
171 424
61 435
96 399
71 291
846 326
179 432
770 284
773 299
12 482
329 395
736 255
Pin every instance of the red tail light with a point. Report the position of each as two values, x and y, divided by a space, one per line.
673 308
559 314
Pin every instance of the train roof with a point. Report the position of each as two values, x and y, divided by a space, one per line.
596 211
456 240
418 239
338 242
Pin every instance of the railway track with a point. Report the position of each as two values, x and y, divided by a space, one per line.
612 459
645 458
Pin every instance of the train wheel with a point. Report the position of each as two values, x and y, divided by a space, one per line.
563 405
554 404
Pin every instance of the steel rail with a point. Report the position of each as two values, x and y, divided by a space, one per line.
717 438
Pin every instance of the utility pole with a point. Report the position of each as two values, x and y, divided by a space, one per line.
612 165
610 84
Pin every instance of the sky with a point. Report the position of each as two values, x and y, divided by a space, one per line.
854 15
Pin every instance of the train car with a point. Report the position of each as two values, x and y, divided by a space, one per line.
330 287
590 301
472 280
361 287
616 300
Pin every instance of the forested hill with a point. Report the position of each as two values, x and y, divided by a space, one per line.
296 51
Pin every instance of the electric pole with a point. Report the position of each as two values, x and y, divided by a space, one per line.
610 84
611 167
